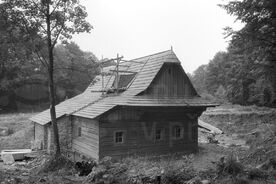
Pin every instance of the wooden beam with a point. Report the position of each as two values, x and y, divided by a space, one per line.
117 73
131 61
123 66
98 91
209 127
123 71
111 60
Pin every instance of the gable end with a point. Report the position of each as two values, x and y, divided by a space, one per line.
171 81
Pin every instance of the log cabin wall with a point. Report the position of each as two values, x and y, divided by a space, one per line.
171 81
140 125
85 137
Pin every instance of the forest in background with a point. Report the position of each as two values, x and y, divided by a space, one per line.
24 83
246 73
23 78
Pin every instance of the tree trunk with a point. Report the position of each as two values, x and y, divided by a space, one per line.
51 84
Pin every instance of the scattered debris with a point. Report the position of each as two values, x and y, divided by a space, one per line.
212 139
4 131
106 160
17 154
268 165
256 173
209 127
7 159
195 180
205 182
55 163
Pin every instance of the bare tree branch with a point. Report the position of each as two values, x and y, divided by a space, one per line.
55 7
57 36
38 7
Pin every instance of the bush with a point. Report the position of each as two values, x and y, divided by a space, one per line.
230 166
240 180
84 168
6 131
272 174
257 174
272 161
56 163
10 131
108 172
208 96
174 175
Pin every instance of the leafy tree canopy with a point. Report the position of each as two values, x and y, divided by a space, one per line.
247 71
53 20
257 38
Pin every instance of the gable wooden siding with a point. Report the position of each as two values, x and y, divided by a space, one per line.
171 81
139 126
88 143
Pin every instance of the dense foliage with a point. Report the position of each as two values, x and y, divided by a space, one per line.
15 50
246 72
74 69
23 77
23 80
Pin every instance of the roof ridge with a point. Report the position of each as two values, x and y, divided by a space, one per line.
151 55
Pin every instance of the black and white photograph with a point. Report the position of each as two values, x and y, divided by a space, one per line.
137 92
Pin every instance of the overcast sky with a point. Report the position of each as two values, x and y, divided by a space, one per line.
135 28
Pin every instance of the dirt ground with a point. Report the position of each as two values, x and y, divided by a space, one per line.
248 136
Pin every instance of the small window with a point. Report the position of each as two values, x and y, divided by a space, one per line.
79 131
119 137
158 134
177 132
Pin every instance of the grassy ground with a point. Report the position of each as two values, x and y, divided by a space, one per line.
253 125
21 131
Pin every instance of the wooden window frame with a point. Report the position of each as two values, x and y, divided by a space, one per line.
179 134
123 136
161 134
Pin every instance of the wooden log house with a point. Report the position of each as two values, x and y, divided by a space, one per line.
149 107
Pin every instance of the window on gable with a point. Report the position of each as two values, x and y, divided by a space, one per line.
177 132
158 134
79 131
119 137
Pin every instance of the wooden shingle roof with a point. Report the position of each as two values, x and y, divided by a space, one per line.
168 102
146 67
91 104
73 104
